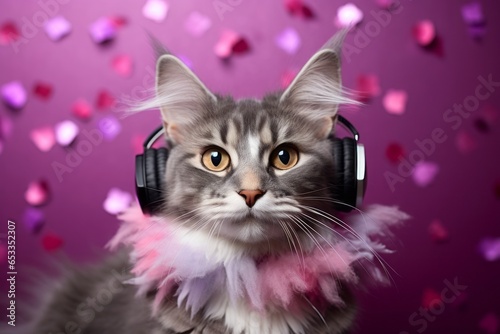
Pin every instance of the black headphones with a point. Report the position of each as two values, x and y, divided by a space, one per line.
348 185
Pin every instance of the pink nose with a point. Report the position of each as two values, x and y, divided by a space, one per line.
251 196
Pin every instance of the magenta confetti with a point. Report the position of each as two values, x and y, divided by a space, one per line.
14 94
472 14
82 109
105 100
155 10
103 30
299 8
465 142
430 297
490 248
424 173
349 15
197 24
52 242
57 28
110 127
44 138
8 33
118 21
395 152
287 77
37 193
367 87
34 220
288 40
438 232
395 101
230 42
43 90
122 65
117 201
66 132
424 32
489 323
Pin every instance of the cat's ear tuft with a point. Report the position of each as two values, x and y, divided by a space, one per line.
316 92
180 95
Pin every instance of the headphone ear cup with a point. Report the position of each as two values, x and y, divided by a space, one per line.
344 182
151 196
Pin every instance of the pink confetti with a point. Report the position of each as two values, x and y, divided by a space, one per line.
52 242
395 101
367 87
472 14
117 201
289 40
8 33
490 249
465 142
348 15
82 109
298 8
424 173
230 42
395 152
424 32
118 21
34 220
438 232
43 90
430 297
155 10
38 193
14 95
44 138
105 100
57 28
66 132
287 78
122 65
489 323
110 127
197 24
103 30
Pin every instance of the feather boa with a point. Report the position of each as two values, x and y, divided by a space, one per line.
162 263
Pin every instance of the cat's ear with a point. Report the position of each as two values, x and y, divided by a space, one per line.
316 92
181 96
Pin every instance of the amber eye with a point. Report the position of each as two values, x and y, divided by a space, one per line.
284 157
215 159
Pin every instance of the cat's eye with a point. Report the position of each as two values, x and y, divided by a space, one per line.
215 159
284 157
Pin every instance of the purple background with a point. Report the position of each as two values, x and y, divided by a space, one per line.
462 195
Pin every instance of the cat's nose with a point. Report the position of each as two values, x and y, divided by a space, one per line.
251 196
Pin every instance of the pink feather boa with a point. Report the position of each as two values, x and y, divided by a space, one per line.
162 263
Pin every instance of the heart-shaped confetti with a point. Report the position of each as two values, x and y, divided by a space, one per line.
14 95
44 138
122 65
8 33
299 8
367 87
117 201
52 242
110 127
438 232
82 109
424 173
57 28
43 90
155 10
197 24
103 30
395 101
349 15
118 21
34 220
230 42
490 249
394 152
424 32
289 40
66 132
38 193
489 323
105 100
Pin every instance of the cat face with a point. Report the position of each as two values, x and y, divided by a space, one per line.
249 170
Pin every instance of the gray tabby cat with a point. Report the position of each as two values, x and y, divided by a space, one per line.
247 163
